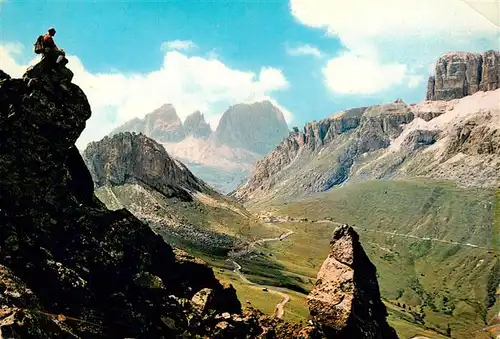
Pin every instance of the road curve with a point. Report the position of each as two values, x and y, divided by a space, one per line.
279 311
259 242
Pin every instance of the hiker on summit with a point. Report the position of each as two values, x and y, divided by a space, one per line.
46 46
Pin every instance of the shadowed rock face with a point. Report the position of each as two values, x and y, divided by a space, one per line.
70 268
135 158
345 301
460 74
78 258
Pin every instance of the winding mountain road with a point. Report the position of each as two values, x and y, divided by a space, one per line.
279 311
280 307
259 242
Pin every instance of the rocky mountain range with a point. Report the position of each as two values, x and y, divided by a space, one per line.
71 268
224 157
162 124
454 139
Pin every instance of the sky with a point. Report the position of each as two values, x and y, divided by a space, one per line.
311 58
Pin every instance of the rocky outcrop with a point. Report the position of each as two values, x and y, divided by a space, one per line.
3 75
163 124
345 301
459 74
135 158
79 260
257 127
196 126
71 268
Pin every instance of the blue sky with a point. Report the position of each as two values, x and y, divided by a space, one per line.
312 58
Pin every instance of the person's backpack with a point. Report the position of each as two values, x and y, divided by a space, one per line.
39 45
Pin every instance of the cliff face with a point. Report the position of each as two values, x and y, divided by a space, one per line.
451 140
131 158
70 268
336 142
257 127
460 74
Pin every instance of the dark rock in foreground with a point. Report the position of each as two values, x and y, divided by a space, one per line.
80 259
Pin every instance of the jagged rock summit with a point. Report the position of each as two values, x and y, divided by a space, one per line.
196 126
458 74
222 158
134 158
345 301
163 124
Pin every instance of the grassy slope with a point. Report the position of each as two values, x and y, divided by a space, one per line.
215 214
445 282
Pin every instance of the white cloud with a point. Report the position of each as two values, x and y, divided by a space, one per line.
189 83
304 50
181 45
415 80
349 74
9 56
272 78
388 34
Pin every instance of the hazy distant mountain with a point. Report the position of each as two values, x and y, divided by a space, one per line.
258 127
222 158
163 124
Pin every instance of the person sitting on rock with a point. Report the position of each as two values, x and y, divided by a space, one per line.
50 50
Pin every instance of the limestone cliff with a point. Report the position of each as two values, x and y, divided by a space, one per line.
451 140
322 154
135 172
135 158
459 74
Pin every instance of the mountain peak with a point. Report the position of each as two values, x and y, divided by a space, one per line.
239 125
135 158
162 124
196 126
